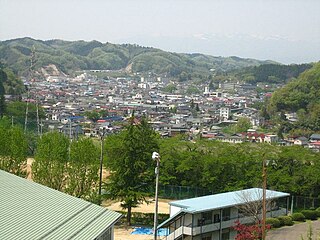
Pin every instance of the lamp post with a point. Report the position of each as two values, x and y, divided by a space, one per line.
156 157
101 158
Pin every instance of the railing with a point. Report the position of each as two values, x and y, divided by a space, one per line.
226 223
179 231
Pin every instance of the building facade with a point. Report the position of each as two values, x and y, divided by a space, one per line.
212 217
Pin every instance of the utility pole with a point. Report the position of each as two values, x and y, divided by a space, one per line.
101 158
31 68
264 207
27 111
38 122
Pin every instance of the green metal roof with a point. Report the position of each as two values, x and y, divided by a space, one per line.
32 211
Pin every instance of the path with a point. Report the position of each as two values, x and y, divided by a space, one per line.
294 232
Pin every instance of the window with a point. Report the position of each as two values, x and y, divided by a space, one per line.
226 214
225 234
216 218
208 237
206 218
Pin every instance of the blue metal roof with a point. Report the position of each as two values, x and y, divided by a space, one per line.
224 200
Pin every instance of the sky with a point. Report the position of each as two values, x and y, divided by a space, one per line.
287 31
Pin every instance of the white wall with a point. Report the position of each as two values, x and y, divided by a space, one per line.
174 210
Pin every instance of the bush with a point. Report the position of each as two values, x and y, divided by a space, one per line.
299 217
310 214
285 220
318 211
274 222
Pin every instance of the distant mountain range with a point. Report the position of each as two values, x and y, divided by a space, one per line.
71 56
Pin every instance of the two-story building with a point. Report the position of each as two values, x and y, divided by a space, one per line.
212 217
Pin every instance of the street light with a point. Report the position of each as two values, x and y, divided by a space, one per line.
156 157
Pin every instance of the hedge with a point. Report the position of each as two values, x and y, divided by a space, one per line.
310 214
318 211
285 220
299 217
274 222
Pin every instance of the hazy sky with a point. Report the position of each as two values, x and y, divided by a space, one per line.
287 31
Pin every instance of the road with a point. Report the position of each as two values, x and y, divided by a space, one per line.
295 232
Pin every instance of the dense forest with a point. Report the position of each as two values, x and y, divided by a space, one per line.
80 55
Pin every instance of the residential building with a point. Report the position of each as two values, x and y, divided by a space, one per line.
225 113
212 217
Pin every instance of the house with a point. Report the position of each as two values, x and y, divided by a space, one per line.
315 137
33 211
302 141
271 138
212 217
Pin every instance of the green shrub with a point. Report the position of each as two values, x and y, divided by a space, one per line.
274 222
285 220
299 217
310 214
318 211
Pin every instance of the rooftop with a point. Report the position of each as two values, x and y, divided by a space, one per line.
224 200
33 211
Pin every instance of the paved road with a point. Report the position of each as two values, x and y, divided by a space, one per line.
295 232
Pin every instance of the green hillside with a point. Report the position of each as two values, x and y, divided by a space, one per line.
270 73
70 56
301 95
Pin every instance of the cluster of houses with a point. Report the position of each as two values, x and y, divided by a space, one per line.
66 100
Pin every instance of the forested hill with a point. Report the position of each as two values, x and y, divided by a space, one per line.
301 95
270 73
81 55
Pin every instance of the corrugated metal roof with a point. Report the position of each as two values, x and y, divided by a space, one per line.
32 211
223 200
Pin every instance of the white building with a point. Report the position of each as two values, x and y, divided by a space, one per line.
212 217
225 113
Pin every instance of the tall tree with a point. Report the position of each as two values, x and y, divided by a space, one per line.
51 161
3 78
13 150
83 169
130 164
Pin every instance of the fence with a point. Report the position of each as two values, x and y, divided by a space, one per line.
181 192
302 202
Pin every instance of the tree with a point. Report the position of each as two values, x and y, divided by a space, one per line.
51 161
2 105
252 207
83 169
130 164
243 125
13 151
248 232
92 115
3 78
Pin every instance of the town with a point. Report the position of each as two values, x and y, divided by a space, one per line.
88 105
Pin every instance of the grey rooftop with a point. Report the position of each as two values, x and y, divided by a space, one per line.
32 211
